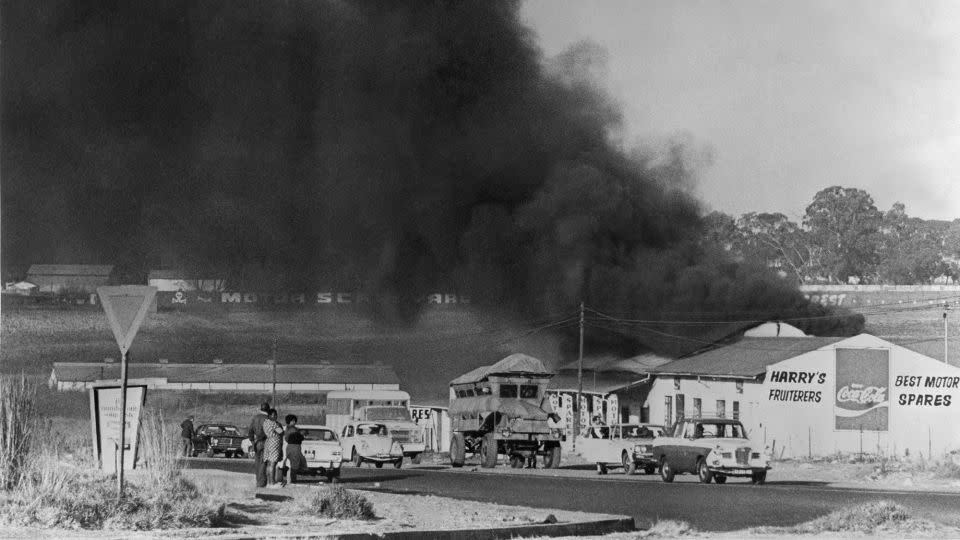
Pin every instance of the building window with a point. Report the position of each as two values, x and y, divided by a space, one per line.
697 407
721 408
739 387
668 411
676 383
736 410
681 407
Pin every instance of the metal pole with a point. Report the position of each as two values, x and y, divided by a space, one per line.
577 416
945 357
273 360
123 421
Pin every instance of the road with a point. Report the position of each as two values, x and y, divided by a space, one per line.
733 506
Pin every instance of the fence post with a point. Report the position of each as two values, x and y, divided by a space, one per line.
809 443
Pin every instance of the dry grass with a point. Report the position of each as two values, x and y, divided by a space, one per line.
339 503
869 518
18 428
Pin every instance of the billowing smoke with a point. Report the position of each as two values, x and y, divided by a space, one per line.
395 147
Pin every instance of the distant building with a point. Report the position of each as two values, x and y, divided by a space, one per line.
70 278
177 280
229 377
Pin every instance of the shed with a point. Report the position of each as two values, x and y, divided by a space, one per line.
62 278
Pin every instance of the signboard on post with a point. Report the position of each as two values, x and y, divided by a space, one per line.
105 411
126 306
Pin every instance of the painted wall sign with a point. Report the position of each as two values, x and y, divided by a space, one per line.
862 384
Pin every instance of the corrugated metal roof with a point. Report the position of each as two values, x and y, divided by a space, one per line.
745 358
516 363
228 373
70 269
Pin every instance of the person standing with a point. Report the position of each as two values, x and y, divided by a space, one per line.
293 459
186 436
272 452
258 438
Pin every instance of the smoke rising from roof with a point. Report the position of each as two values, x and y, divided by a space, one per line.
395 147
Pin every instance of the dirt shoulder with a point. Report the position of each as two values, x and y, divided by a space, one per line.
284 511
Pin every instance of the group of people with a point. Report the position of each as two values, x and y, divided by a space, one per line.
275 463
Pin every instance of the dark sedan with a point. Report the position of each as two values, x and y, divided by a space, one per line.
212 439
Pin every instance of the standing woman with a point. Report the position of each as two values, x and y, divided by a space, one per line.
274 445
294 461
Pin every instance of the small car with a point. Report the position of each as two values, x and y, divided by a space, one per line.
370 441
713 449
621 445
212 439
321 450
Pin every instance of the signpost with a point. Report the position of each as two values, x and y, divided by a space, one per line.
126 307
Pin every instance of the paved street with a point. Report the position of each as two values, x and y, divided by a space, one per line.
732 506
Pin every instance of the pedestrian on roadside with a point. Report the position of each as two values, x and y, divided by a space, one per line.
186 436
258 439
293 460
272 452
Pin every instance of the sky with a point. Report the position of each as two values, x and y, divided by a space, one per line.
788 97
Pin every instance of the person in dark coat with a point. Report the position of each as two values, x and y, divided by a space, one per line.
257 436
186 436
294 462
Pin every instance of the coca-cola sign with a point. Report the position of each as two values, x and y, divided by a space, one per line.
862 383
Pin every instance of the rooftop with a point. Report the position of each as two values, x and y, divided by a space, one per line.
746 358
228 373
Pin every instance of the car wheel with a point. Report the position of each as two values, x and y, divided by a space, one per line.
356 458
398 463
379 464
759 477
601 468
650 469
629 467
488 451
666 471
704 472
720 479
457 450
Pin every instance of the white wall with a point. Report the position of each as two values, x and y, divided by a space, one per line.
707 390
802 427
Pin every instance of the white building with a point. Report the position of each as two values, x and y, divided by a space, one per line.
818 396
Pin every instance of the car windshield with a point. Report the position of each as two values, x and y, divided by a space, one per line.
223 430
388 413
372 429
640 432
720 430
318 434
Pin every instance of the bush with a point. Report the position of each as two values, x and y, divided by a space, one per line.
864 518
341 504
18 428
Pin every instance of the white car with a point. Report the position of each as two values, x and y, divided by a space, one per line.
322 451
621 445
713 449
370 441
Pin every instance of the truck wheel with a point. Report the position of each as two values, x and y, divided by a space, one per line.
552 459
666 471
379 464
704 472
629 467
488 451
457 451
356 458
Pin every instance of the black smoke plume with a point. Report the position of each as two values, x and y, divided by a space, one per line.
396 147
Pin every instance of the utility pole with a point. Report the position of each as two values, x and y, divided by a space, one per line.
577 411
273 361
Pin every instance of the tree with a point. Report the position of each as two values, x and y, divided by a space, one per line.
911 248
844 224
776 241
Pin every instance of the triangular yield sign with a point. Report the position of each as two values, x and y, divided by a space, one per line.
126 307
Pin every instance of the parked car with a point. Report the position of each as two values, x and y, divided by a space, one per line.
212 439
621 445
322 451
370 441
712 448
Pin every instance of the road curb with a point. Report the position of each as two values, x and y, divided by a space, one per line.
598 527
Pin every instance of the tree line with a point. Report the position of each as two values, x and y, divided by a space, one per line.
844 238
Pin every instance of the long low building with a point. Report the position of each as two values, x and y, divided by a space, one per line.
229 377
